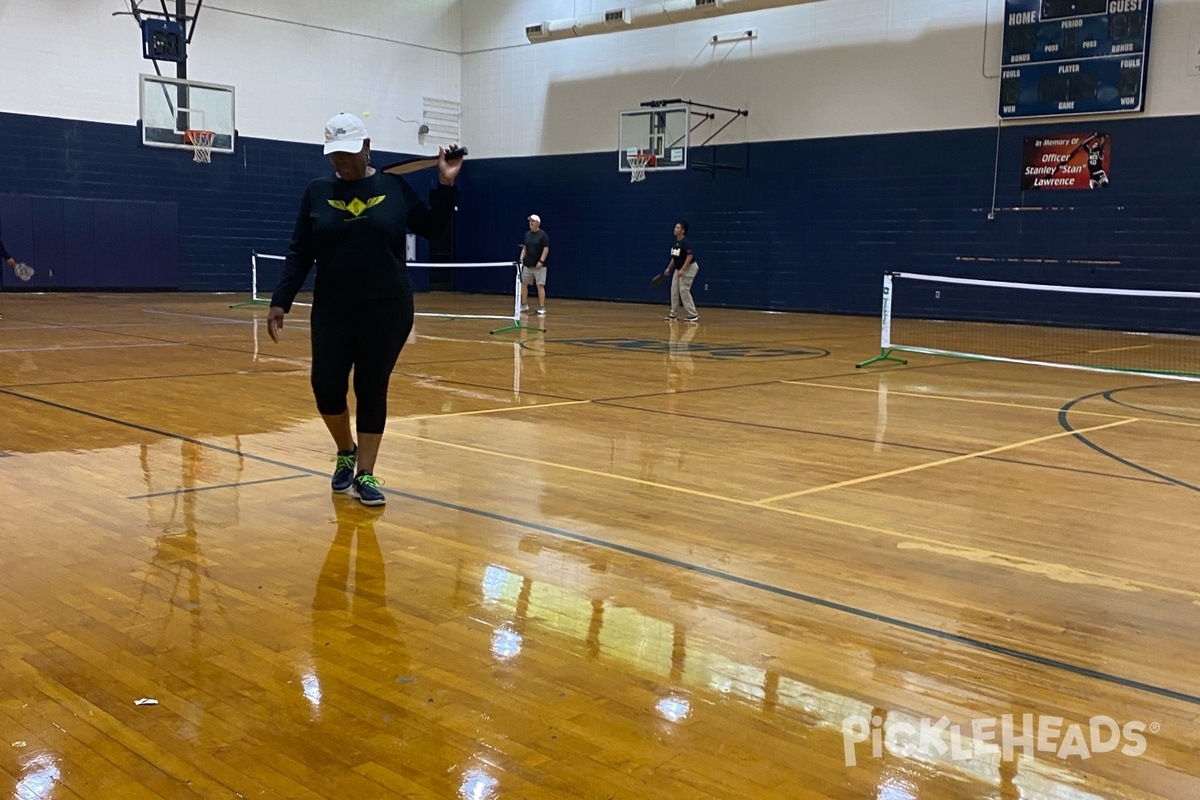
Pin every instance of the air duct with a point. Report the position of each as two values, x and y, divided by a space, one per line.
647 16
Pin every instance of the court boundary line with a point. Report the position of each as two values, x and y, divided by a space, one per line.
869 440
209 488
950 398
1065 422
915 627
1108 395
1006 560
967 641
58 348
419 417
878 476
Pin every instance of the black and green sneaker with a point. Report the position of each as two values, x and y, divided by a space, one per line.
343 473
366 489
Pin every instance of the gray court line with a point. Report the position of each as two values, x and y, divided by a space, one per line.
868 440
1065 422
234 485
820 602
56 348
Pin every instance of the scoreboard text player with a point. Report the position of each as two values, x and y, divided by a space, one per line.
1074 57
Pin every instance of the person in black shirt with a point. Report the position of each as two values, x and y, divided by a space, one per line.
9 260
353 225
683 265
6 258
533 263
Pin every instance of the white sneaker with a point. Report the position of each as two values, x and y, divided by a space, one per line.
524 307
542 311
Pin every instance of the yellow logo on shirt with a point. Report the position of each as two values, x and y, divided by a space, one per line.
356 206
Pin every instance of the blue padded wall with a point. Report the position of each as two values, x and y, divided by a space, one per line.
175 223
80 243
811 225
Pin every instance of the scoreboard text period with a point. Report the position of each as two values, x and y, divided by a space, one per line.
1074 57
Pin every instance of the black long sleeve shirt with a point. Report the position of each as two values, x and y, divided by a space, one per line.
354 231
4 256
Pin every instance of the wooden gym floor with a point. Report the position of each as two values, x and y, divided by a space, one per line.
623 560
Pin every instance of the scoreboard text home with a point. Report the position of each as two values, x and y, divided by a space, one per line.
1074 57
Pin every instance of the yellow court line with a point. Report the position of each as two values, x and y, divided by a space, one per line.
940 462
895 393
1043 568
489 411
1048 569
572 468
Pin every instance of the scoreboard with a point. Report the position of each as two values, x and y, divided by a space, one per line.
163 40
1074 57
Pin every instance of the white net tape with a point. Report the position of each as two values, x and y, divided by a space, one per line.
1099 328
637 166
265 269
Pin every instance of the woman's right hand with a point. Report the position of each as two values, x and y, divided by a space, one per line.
275 323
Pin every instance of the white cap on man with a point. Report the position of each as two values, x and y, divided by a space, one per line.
535 218
344 133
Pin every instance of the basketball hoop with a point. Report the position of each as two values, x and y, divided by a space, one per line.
638 161
202 144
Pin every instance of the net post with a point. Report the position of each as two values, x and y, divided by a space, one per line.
885 332
516 324
517 293
254 300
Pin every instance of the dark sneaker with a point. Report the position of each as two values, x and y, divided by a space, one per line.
343 473
670 317
366 489
693 318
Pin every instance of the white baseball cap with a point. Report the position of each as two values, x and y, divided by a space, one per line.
344 133
535 218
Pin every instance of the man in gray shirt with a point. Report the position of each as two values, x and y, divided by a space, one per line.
533 263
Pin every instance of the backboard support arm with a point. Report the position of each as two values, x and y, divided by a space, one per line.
707 116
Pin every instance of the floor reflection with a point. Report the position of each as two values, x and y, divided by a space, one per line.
698 675
351 621
40 777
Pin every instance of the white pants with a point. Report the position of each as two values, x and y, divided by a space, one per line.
681 290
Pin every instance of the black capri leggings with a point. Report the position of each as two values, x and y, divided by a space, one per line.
368 336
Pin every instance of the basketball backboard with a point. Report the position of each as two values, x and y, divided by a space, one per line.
662 131
172 106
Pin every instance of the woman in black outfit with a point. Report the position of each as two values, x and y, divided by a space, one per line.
352 225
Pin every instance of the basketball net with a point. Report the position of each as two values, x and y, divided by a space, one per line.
637 166
202 145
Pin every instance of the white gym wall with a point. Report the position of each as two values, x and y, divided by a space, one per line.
293 63
826 68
